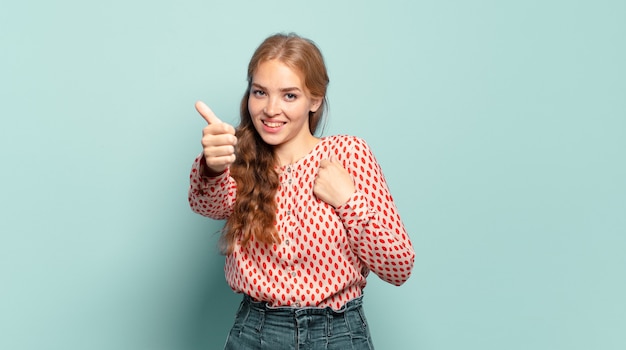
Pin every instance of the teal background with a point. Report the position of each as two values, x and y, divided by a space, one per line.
500 126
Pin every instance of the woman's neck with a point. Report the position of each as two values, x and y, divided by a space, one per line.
293 152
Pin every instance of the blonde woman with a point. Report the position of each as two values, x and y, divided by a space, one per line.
307 217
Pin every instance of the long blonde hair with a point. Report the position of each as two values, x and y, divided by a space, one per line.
254 212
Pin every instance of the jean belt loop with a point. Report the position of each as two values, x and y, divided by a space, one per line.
259 326
329 324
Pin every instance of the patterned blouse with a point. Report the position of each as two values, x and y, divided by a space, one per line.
325 253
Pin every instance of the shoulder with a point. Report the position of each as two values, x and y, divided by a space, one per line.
352 151
342 144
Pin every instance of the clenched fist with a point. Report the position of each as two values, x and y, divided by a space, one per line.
333 183
218 141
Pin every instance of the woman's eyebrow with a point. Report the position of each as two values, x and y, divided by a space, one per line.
290 89
287 89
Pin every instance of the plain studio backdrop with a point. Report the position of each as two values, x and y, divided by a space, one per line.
500 127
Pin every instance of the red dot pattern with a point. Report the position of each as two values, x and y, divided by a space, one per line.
325 253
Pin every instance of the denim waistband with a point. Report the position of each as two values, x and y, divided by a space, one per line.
353 304
299 328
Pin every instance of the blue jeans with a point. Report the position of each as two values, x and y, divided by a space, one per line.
258 326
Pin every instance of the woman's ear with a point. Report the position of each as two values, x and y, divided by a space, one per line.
316 103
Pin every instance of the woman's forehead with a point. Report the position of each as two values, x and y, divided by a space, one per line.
276 74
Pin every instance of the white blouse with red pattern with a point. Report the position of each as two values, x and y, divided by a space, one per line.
325 253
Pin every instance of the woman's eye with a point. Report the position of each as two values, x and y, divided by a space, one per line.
290 96
258 93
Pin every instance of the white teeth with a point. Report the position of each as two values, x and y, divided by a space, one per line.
273 125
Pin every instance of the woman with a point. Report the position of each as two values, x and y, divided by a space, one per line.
307 217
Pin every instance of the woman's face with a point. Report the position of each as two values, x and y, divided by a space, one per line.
279 104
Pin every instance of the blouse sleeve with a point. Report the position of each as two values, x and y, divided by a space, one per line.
375 230
211 196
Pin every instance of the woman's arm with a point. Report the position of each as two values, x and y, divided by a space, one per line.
211 196
375 230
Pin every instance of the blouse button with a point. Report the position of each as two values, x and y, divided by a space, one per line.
287 242
297 304
288 169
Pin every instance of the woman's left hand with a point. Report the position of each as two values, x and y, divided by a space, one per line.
333 183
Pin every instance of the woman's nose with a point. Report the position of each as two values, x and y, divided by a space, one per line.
272 107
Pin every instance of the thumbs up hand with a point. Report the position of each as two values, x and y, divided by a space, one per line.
218 141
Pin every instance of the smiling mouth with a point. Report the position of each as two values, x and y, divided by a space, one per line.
273 124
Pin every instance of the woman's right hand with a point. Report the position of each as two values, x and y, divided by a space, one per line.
218 141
